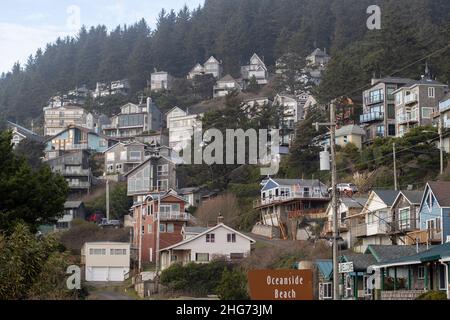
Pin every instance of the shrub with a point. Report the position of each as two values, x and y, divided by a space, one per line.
196 279
233 285
433 295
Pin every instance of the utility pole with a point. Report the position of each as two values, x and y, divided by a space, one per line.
107 200
158 219
441 149
334 199
395 166
140 235
334 194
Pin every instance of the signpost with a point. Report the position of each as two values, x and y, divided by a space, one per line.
346 267
288 284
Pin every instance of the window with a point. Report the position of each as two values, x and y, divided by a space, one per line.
123 155
202 257
398 98
163 170
110 156
143 230
391 111
437 224
431 92
97 252
404 221
231 237
421 272
326 291
150 228
391 129
345 139
426 112
163 185
210 237
170 228
236 256
162 228
135 155
118 252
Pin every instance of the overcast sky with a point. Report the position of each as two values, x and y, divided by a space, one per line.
26 25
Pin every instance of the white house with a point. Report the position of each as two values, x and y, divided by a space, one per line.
256 68
161 80
215 242
212 66
225 86
106 261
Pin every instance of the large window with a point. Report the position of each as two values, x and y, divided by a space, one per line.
118 252
326 291
163 185
163 170
135 155
202 257
404 221
427 112
431 92
391 129
391 111
97 252
110 156
421 272
231 237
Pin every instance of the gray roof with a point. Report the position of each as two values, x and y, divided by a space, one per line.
227 78
199 109
318 52
349 130
355 202
413 196
195 229
188 190
72 204
388 196
26 132
383 253
432 254
395 80
424 81
360 261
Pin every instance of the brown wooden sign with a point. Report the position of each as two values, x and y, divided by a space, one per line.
290 284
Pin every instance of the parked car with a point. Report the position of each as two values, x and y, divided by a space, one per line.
96 217
116 224
345 188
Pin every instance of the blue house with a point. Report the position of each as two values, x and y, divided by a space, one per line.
434 214
77 138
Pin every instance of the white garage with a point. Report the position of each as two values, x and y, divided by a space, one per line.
106 261
106 273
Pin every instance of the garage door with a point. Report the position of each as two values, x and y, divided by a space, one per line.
116 274
97 274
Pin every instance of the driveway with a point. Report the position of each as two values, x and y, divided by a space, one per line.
109 291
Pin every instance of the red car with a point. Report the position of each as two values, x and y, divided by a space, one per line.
96 217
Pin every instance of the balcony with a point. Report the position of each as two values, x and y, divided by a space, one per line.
404 226
79 185
410 98
78 172
371 117
328 227
409 117
175 216
373 100
424 236
291 196
444 105
313 213
359 230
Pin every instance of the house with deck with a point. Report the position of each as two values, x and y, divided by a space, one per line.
211 66
434 215
226 85
283 202
161 81
168 209
123 157
220 241
255 69
376 226
404 216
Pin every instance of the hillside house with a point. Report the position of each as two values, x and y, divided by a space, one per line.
379 118
225 86
161 81
72 210
255 69
443 117
376 226
415 103
59 118
284 201
169 208
74 167
76 138
20 133
404 216
134 120
211 66
102 89
318 57
220 241
434 215
350 134
123 157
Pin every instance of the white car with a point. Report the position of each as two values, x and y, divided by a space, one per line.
346 187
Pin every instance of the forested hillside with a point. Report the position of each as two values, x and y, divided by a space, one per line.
232 30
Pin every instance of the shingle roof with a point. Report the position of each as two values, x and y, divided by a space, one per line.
197 230
413 196
227 78
325 267
434 253
72 204
441 190
360 261
355 202
350 129
388 196
383 253
424 81
302 182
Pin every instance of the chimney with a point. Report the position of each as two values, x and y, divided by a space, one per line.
220 218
